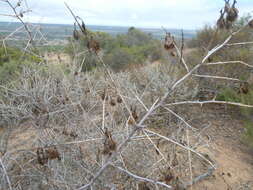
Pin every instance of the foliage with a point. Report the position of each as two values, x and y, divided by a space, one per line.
134 47
12 62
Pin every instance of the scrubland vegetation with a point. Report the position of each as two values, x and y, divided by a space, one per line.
117 115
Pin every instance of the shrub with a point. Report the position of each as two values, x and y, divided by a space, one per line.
134 47
12 62
232 95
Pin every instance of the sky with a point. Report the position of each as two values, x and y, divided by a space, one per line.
186 14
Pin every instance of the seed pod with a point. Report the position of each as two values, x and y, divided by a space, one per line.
173 54
134 116
232 13
93 45
169 42
221 23
112 102
250 23
73 134
45 154
109 144
167 176
41 156
21 14
119 99
75 33
244 88
19 4
52 153
83 28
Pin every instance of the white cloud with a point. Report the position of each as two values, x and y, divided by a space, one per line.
148 13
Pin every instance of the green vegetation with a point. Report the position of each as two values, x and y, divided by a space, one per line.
233 95
121 51
11 62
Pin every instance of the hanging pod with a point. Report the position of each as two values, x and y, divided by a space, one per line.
169 42
83 28
75 33
232 13
93 45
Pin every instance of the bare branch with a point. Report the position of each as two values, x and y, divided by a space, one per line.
216 77
210 102
5 173
230 62
142 178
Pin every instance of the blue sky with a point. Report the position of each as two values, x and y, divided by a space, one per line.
187 14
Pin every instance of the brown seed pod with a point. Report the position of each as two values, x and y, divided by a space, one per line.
232 13
93 45
73 134
169 42
221 23
169 46
41 156
109 144
244 88
83 28
75 33
112 102
173 54
250 23
134 116
167 176
52 153
19 4
119 100
21 14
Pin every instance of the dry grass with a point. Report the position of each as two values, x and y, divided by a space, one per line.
104 130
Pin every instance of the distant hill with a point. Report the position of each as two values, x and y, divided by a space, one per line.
62 31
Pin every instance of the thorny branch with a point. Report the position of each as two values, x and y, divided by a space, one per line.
139 126
155 107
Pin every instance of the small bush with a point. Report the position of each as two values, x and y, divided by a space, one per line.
232 95
118 52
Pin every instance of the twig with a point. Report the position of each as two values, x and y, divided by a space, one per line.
210 102
178 116
21 20
5 173
217 77
142 178
184 147
230 62
240 43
